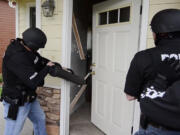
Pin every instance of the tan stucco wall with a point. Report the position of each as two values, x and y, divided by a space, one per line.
52 26
155 6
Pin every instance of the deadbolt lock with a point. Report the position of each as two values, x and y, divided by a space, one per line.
93 64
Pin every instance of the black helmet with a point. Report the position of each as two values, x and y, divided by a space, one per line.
166 21
34 38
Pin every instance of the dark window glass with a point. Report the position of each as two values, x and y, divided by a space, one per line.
103 18
113 16
32 17
125 14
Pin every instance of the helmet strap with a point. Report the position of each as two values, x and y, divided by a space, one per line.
158 39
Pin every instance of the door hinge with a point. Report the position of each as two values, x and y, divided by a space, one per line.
141 10
131 130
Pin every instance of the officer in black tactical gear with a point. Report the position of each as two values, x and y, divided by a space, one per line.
153 77
23 71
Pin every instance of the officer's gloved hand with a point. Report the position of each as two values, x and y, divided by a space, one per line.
57 64
67 69
53 70
168 72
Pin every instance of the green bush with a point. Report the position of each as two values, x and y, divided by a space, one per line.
1 79
0 91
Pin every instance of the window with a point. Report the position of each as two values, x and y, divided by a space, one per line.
103 18
32 17
124 14
115 16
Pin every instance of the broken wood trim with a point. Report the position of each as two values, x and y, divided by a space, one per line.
78 95
78 39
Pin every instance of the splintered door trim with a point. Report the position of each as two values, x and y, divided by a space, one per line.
142 46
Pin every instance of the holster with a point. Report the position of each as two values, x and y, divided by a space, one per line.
13 111
13 108
16 103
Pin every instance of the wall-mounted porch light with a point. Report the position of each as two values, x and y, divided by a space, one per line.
48 7
12 3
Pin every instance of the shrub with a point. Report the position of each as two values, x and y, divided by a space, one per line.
0 91
1 79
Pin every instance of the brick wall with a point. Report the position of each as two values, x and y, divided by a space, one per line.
7 27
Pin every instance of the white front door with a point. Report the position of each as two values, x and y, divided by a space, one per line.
116 25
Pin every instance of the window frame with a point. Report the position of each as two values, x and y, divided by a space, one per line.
28 6
115 8
31 15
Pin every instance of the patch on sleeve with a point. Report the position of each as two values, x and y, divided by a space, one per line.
33 76
36 59
152 93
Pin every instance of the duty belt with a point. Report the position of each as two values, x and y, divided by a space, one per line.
15 104
153 124
11 101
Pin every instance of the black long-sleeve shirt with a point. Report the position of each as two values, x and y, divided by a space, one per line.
22 68
161 106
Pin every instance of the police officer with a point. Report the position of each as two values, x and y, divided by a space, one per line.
23 71
158 99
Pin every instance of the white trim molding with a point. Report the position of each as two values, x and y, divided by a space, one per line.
17 19
142 46
144 25
66 60
38 14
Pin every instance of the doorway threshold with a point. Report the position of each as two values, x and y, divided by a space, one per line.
80 122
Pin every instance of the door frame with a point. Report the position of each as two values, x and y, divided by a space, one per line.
66 62
142 46
66 48
17 19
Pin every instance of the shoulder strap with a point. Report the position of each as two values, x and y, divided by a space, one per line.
8 56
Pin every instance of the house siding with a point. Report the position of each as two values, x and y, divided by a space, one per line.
155 6
52 26
23 15
7 27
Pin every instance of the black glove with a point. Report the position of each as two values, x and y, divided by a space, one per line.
168 71
53 70
68 69
57 64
